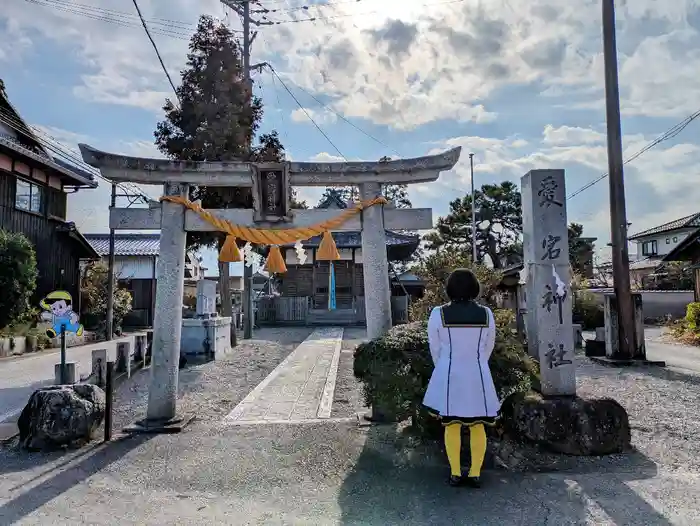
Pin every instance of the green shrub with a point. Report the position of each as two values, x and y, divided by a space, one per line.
95 291
692 316
587 311
395 369
18 274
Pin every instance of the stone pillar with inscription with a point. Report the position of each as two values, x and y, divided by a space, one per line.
549 302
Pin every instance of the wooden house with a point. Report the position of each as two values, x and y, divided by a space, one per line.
304 289
33 201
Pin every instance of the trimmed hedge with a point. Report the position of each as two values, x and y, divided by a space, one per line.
395 369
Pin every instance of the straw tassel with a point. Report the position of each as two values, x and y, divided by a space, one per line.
327 251
229 252
275 262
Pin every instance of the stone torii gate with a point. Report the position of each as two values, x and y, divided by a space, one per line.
270 185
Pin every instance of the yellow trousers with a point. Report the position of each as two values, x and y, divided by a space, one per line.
477 447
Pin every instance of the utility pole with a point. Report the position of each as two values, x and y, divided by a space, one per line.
242 7
471 165
618 212
110 272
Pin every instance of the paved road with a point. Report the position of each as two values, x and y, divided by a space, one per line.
19 377
677 356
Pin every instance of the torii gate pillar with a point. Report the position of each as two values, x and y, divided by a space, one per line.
375 266
167 323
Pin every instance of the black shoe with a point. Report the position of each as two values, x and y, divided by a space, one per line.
455 481
473 482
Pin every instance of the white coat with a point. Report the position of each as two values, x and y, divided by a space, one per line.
461 385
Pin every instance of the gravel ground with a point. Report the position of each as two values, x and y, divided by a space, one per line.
660 403
210 391
348 391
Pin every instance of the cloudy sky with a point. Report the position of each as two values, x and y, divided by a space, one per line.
520 84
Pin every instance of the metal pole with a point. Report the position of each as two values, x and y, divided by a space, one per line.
618 212
474 253
109 392
110 272
64 372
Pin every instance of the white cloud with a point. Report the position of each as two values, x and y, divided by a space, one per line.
325 157
321 117
568 135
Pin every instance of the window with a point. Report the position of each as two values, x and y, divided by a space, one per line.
668 240
675 239
29 196
343 290
321 290
650 248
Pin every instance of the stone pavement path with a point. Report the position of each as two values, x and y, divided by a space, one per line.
300 389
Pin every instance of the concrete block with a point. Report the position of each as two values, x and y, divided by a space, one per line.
99 366
140 347
578 335
124 358
71 373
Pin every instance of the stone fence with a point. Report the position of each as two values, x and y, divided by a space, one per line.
658 303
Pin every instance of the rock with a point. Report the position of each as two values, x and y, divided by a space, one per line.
569 425
61 415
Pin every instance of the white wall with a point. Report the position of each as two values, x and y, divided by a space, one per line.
132 267
665 242
659 303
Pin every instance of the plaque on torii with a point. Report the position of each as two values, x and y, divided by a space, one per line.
270 184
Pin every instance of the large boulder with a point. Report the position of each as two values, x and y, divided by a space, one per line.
569 425
61 415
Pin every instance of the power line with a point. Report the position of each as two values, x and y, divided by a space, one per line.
668 134
337 114
306 7
67 154
364 13
306 113
169 29
155 47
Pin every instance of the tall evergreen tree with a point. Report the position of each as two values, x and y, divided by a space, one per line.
211 121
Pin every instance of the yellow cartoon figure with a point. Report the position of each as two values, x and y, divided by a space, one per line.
59 311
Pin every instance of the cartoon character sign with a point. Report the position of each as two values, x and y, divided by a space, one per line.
58 307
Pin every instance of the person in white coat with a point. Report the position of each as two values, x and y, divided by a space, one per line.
461 391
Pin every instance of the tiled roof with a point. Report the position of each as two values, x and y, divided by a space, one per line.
126 244
651 262
692 220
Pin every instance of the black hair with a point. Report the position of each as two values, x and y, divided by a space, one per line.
462 285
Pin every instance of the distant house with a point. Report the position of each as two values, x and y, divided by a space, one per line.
33 201
654 244
135 260
688 250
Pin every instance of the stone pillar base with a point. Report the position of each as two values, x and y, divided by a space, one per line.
71 373
158 427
